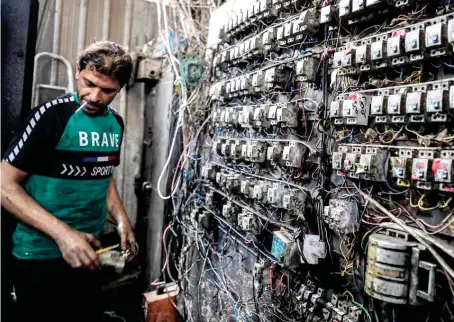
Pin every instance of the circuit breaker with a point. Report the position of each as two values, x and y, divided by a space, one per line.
421 169
306 69
292 155
415 103
326 14
230 211
395 103
378 50
249 223
350 161
395 46
287 116
401 167
435 35
344 8
340 216
256 151
371 166
377 105
338 160
442 169
336 109
362 54
274 152
435 101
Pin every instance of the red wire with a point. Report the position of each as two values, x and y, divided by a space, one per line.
271 281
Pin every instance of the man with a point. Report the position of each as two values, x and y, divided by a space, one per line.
57 180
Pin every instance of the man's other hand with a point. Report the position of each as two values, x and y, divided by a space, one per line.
77 249
128 240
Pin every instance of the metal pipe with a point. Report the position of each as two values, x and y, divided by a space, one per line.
123 93
160 122
82 22
69 72
105 22
55 42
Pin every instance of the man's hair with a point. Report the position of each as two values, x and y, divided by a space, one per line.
107 58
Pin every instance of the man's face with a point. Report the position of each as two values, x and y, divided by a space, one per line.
95 89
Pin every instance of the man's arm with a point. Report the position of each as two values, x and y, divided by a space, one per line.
118 212
74 245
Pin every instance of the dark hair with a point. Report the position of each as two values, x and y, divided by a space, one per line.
107 58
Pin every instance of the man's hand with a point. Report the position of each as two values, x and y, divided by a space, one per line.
128 240
76 248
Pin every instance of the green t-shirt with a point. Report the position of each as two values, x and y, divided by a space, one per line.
69 156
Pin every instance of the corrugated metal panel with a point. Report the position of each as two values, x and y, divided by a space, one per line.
141 22
95 17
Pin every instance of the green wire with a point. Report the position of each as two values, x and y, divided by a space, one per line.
364 309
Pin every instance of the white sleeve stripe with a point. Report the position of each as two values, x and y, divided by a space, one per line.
32 124
71 99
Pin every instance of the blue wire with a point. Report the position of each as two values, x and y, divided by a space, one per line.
189 152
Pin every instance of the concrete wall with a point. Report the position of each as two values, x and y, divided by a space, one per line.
65 27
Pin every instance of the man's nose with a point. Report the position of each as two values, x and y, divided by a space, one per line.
95 96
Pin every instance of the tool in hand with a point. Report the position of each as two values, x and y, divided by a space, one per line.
113 256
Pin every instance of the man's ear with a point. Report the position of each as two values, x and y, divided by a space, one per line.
77 70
